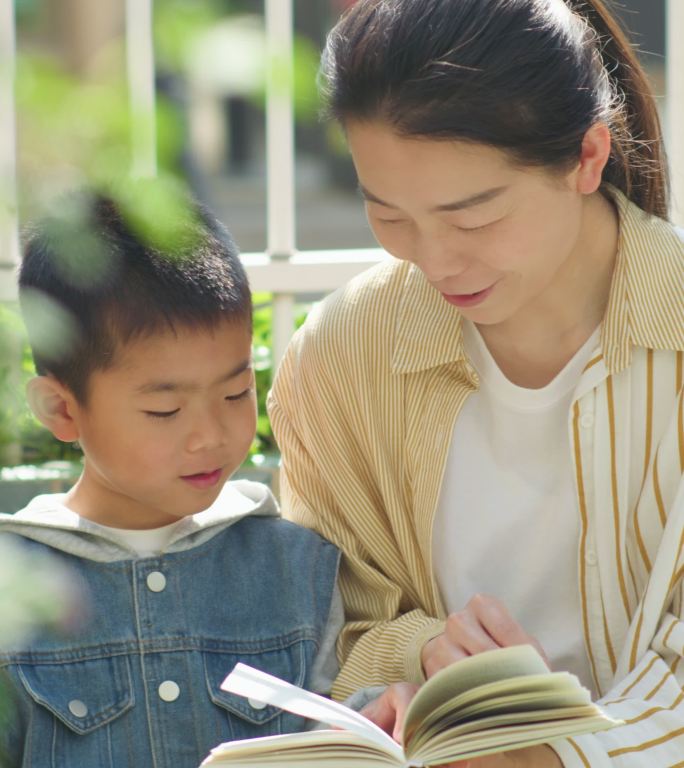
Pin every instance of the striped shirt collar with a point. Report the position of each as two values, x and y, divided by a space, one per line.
645 305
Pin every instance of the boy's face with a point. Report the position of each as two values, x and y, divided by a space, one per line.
165 426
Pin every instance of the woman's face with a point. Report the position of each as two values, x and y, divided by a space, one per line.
493 238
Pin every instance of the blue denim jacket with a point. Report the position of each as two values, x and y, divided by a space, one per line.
138 685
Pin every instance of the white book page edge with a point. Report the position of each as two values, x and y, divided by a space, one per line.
255 684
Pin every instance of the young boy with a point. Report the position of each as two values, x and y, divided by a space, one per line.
184 573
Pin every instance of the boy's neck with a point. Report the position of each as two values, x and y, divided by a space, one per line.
105 506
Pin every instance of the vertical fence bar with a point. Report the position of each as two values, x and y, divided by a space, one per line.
280 158
9 220
675 104
140 72
9 240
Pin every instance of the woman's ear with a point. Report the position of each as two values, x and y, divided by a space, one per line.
594 157
54 406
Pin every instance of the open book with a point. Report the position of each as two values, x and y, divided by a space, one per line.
491 702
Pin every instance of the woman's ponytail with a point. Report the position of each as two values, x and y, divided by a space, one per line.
637 165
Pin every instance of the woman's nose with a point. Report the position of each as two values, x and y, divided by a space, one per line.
439 260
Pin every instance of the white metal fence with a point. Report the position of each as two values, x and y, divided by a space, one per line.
281 270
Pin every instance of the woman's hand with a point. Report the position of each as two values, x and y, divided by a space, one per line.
484 624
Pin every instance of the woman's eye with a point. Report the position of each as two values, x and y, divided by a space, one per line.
161 414
241 396
476 229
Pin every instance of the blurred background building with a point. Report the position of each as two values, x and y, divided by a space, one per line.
210 57
211 62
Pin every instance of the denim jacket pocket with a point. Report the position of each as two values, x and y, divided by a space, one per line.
252 718
83 695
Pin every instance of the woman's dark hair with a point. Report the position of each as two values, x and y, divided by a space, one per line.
527 76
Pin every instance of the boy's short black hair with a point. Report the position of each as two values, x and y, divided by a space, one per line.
92 278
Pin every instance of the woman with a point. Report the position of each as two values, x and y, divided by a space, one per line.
491 425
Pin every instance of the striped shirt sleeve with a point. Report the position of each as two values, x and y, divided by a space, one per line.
381 641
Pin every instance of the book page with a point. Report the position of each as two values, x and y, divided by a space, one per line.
255 684
451 734
519 707
332 749
496 666
500 739
560 689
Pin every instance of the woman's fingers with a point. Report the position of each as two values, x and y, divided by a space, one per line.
495 619
468 629
483 625
389 709
439 653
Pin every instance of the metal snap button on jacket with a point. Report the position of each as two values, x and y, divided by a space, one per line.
156 581
169 691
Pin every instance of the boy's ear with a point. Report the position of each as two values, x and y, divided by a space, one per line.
54 406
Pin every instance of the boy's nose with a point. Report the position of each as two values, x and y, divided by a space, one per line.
206 434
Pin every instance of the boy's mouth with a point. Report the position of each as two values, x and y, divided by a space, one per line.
203 479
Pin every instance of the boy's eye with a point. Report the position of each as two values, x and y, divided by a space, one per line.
161 414
241 396
473 229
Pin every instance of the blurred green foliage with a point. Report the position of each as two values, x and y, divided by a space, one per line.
263 369
11 406
74 132
263 365
178 24
18 427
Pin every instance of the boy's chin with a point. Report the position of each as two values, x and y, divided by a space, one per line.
202 504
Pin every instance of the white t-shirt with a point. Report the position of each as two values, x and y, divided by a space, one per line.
507 522
146 542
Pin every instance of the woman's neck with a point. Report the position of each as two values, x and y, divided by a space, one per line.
533 346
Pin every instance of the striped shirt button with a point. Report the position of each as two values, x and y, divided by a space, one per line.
591 558
587 421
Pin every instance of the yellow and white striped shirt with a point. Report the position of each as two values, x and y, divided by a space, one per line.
363 408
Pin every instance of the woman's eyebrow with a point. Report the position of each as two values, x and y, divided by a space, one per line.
458 205
473 200
366 194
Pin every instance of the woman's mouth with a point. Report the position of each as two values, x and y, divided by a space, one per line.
465 300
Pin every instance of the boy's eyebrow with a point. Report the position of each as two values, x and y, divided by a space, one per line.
152 387
458 205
